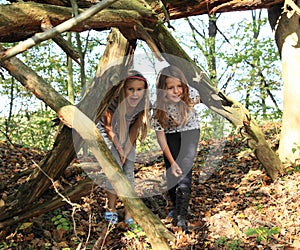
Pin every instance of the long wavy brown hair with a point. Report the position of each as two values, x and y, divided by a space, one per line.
184 105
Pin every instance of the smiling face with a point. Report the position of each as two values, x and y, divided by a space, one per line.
134 92
174 89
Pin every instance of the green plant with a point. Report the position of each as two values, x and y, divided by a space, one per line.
149 144
296 148
292 169
60 221
296 168
4 245
137 234
31 129
259 206
262 233
234 244
135 231
228 244
221 241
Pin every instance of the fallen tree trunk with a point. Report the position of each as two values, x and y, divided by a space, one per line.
31 17
53 32
28 16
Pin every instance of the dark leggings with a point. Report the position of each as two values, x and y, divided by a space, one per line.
183 147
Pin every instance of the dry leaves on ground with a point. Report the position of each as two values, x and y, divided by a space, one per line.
234 204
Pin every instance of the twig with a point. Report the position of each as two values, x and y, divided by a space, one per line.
55 188
61 42
40 37
75 206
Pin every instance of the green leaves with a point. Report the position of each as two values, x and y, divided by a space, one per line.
295 149
61 222
262 233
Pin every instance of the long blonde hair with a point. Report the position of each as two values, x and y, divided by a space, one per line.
184 105
142 108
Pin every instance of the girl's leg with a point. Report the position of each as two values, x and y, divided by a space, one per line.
111 214
128 169
111 201
174 142
189 144
186 157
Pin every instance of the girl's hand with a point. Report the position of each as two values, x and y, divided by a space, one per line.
176 170
121 154
123 159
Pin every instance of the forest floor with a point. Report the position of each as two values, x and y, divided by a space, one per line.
234 204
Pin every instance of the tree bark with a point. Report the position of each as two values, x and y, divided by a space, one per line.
28 16
232 110
52 33
287 33
31 17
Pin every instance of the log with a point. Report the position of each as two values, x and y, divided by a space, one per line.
73 194
52 33
28 15
31 16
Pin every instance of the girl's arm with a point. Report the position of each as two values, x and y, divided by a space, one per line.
162 141
107 120
133 135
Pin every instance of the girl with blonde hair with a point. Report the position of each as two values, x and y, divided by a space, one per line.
125 119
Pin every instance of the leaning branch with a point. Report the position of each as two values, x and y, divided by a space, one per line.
38 38
62 43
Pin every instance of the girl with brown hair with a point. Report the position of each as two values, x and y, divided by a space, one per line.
177 130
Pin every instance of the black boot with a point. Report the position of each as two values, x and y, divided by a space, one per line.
182 203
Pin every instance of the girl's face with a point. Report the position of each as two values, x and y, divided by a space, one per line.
134 92
174 89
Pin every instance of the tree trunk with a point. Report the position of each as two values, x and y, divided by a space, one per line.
285 23
218 102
